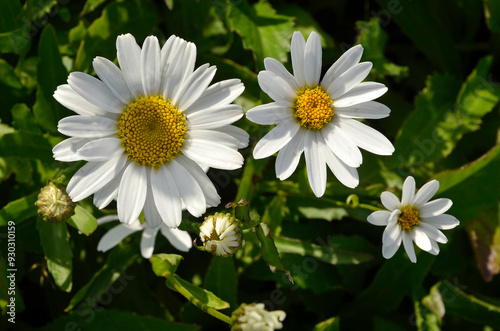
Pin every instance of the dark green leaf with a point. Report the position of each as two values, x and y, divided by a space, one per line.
273 215
222 280
91 5
165 264
26 145
492 14
83 221
19 210
12 89
23 119
55 242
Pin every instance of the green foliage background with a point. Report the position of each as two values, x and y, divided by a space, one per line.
440 61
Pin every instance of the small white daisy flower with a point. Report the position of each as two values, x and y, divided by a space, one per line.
178 238
147 128
415 218
254 317
317 117
220 234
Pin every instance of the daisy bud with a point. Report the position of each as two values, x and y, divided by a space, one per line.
220 234
255 317
54 204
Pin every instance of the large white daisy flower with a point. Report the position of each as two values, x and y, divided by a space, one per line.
178 238
414 218
146 129
317 117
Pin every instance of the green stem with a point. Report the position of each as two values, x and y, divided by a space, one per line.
179 288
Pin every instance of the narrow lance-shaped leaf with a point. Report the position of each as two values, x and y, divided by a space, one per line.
222 280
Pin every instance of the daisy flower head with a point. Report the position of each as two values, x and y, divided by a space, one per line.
180 239
147 128
413 219
317 117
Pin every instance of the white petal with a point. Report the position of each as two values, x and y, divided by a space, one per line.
289 156
366 137
349 79
425 193
115 235
87 126
173 74
435 248
408 191
315 162
239 134
276 87
270 113
129 58
106 219
66 150
390 201
362 92
95 92
379 217
150 66
148 239
212 154
93 176
279 70
109 192
408 245
75 102
215 117
221 93
298 46
276 139
369 109
435 207
350 58
347 175
389 251
101 149
112 76
391 232
432 232
342 145
214 137
443 221
194 86
181 240
167 197
151 214
312 59
132 193
421 239
202 179
189 189
184 70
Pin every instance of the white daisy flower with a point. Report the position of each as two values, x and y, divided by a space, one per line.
178 238
220 234
254 317
317 117
146 129
414 218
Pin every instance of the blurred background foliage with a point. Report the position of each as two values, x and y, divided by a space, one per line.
440 61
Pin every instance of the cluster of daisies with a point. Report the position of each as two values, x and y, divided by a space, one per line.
150 128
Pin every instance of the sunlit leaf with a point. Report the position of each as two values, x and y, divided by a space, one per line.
83 221
331 324
207 298
165 264
19 210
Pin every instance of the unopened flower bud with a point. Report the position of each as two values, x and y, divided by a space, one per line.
54 204
220 234
254 317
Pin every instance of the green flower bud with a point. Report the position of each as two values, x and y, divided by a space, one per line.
54 205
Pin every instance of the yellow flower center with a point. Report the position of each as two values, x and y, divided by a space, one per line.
409 217
152 131
313 108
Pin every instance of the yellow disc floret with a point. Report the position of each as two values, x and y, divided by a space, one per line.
152 131
409 217
313 108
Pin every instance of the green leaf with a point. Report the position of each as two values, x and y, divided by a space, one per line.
91 5
484 234
117 18
479 179
429 35
55 242
425 319
222 280
114 269
207 298
467 306
331 324
327 253
264 32
170 4
100 319
50 73
23 119
492 14
9 13
26 145
165 264
374 38
19 210
83 221
12 89
269 251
